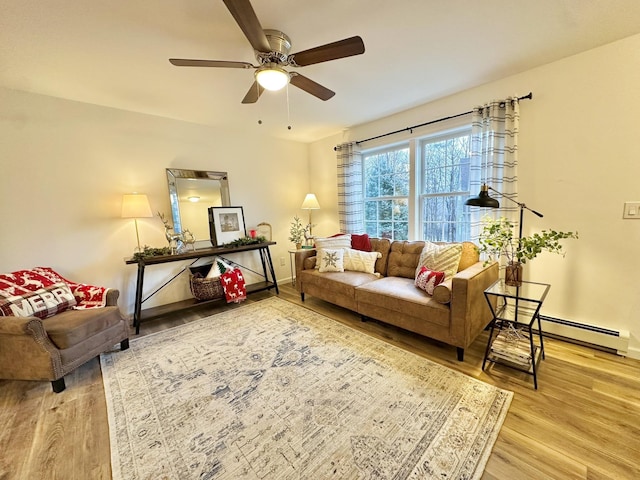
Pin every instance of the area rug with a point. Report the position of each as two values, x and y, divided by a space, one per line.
272 390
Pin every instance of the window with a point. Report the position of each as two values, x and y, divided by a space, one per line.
386 193
445 188
442 166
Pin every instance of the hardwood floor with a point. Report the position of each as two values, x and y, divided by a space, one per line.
583 422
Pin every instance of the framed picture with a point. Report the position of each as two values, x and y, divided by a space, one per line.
264 230
226 224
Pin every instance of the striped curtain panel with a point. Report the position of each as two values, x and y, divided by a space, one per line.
494 158
350 189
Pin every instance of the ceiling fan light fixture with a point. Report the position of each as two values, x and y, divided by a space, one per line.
272 77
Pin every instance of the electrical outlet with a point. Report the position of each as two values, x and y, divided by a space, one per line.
282 261
631 210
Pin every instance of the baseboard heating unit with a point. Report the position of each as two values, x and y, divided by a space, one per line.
605 338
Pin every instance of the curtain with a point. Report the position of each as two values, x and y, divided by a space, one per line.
350 189
494 158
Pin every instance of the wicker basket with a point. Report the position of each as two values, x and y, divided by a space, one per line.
204 288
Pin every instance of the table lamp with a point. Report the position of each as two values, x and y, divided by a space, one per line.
136 205
310 203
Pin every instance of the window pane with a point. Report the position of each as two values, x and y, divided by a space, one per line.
445 188
386 179
445 219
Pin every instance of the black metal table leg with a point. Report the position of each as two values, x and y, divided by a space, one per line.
137 309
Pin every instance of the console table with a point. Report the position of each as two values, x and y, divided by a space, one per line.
138 314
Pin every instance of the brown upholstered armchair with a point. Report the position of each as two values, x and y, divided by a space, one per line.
47 349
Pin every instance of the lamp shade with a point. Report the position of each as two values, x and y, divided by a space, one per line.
272 77
310 202
483 199
136 205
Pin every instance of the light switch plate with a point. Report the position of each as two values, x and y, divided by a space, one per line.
631 210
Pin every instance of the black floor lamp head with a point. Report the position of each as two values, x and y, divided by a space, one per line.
483 199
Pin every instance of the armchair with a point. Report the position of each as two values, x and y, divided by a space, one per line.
47 346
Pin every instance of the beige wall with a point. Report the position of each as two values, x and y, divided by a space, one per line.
579 160
65 166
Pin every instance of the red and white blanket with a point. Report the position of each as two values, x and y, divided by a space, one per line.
233 285
23 282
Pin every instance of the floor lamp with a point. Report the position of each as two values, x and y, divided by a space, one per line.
135 205
484 200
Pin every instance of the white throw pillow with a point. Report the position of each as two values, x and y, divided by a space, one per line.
359 261
330 260
441 258
338 242
218 267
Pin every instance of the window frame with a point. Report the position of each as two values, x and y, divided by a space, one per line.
414 143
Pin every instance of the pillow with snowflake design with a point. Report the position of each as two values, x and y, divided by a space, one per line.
330 260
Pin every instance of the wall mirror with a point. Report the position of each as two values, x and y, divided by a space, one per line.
191 193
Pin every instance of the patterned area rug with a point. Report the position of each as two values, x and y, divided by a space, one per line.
274 391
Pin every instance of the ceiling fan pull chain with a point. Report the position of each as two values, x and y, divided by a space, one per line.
288 110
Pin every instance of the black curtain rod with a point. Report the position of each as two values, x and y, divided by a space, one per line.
529 96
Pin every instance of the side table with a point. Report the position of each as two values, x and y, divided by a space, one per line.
515 310
292 264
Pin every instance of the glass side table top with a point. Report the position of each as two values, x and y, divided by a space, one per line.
532 291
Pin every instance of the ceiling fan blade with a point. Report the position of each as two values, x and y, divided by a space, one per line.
248 22
309 86
253 94
184 62
331 51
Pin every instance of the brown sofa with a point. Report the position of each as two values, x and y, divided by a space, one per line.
455 314
47 349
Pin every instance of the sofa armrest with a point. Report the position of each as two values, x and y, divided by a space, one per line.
26 351
11 325
300 257
470 312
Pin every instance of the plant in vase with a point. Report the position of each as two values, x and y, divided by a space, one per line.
498 240
297 232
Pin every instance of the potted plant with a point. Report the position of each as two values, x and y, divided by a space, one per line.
297 232
498 239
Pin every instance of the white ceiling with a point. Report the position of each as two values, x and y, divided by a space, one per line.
115 53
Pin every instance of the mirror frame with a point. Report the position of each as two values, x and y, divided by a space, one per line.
173 174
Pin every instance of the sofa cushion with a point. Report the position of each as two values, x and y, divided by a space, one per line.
427 280
398 294
441 258
41 303
403 259
330 260
360 261
382 245
74 326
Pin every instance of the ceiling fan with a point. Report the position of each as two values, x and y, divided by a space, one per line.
272 53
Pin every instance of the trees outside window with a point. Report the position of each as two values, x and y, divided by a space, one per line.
442 165
445 188
386 191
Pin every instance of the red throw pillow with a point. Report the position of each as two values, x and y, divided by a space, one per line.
361 242
427 280
358 242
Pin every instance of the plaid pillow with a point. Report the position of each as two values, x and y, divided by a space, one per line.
41 303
